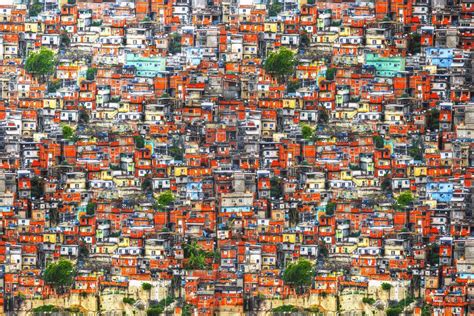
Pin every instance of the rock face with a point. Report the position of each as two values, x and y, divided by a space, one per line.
108 302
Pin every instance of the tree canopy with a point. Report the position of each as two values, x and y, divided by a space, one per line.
281 63
60 275
378 141
146 286
405 198
432 119
166 198
299 275
41 63
386 286
91 73
139 141
276 190
35 8
275 8
174 44
330 73
307 131
68 132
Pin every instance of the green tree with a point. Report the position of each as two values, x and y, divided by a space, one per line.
304 40
378 141
83 117
280 64
433 255
323 116
432 120
307 131
59 275
416 149
276 190
146 286
147 185
37 190
188 310
191 247
91 208
405 198
330 73
196 262
64 40
54 86
275 8
139 141
387 287
386 184
41 63
166 198
414 43
68 132
176 152
426 310
35 8
174 44
292 86
91 73
330 208
299 275
197 256
293 216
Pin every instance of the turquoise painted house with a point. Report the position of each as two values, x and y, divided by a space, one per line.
147 66
385 66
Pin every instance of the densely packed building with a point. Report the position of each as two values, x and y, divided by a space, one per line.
164 149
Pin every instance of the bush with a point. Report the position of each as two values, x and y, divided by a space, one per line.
394 311
368 300
158 309
285 309
129 300
45 309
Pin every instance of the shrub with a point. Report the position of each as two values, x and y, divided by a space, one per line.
129 300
